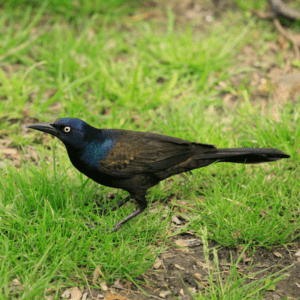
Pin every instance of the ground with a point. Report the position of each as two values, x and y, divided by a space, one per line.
189 266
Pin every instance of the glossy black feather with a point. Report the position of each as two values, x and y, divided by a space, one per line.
136 161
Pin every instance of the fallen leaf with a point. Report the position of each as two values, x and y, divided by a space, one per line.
96 274
277 254
185 250
16 285
75 293
240 248
164 294
117 284
192 232
247 259
66 294
178 267
114 297
188 243
85 296
16 282
158 263
297 253
192 290
259 265
104 286
176 220
9 151
236 234
204 265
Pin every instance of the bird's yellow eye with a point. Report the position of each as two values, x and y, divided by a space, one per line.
67 129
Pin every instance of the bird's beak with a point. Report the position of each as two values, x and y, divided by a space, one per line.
45 127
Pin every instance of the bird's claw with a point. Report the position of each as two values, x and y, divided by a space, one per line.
114 228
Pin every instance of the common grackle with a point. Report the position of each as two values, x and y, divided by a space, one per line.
136 161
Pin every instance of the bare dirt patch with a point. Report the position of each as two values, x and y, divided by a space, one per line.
183 272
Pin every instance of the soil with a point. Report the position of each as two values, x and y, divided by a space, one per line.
182 272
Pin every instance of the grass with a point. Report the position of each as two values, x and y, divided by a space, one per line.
232 286
98 63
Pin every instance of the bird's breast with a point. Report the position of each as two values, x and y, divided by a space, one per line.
88 159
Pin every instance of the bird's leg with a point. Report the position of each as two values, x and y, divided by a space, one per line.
119 204
142 205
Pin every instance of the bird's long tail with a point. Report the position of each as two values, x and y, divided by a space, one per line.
245 155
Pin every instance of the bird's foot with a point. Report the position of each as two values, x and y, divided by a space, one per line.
114 228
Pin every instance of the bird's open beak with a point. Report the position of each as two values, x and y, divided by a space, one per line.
45 127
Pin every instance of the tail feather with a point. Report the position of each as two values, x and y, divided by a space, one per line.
245 155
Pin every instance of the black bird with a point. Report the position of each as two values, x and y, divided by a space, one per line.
136 161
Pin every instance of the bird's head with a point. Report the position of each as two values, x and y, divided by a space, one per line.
71 131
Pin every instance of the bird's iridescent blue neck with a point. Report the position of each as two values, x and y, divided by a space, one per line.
95 147
98 149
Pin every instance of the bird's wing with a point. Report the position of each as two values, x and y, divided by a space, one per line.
140 152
